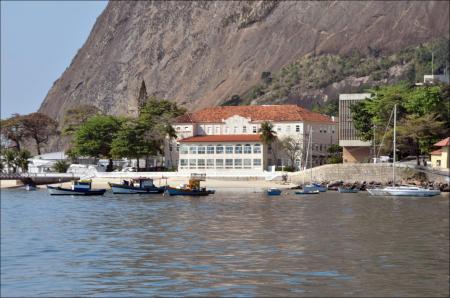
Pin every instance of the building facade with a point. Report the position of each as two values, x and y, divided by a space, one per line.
227 139
440 158
354 150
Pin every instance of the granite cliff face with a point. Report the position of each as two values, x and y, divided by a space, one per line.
201 53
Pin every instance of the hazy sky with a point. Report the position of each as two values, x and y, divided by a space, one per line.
38 41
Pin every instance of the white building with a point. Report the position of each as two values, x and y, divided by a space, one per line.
226 139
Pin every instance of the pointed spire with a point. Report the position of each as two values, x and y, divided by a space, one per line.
142 98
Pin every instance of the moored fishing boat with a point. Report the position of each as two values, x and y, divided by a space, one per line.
79 188
307 192
191 189
343 189
136 186
273 191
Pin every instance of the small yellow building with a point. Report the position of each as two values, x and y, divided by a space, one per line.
439 158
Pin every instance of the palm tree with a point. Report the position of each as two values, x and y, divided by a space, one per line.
268 135
171 134
10 157
21 160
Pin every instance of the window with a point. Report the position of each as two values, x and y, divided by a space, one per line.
279 162
247 163
178 128
247 149
238 163
235 130
297 128
320 147
254 128
257 162
226 130
178 147
288 128
219 163
193 149
209 130
183 163
269 147
200 163
244 129
210 149
238 149
257 148
186 128
219 149
201 149
210 163
184 149
170 147
279 128
192 163
269 162
228 163
325 131
217 130
229 149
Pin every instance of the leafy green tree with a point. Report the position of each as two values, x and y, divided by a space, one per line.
334 154
422 116
95 136
61 166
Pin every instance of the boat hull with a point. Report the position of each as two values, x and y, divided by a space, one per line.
60 191
347 190
315 187
124 189
273 192
188 192
307 192
404 192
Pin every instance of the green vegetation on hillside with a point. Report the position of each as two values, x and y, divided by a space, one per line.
316 72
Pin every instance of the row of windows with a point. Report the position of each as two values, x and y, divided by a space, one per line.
238 163
220 149
254 129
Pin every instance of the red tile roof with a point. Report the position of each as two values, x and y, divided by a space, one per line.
222 138
443 143
255 113
436 152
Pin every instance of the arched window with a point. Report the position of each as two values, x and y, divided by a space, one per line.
238 149
257 148
247 149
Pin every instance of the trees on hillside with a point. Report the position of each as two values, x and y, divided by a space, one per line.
77 115
13 130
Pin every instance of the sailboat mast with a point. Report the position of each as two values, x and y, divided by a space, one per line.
310 146
395 135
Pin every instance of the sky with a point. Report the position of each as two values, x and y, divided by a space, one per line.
38 41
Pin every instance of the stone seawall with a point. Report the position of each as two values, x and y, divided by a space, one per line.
365 172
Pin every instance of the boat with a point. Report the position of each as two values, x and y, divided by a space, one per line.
343 189
30 187
307 192
316 186
273 191
79 188
136 186
191 189
402 190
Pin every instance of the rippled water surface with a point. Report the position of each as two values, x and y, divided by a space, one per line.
229 244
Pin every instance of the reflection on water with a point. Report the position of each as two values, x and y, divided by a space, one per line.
223 245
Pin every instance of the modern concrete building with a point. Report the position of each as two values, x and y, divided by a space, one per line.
354 149
226 139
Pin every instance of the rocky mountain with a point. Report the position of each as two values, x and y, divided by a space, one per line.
201 53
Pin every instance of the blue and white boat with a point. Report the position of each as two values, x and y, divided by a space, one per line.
307 192
79 188
273 191
315 186
343 189
136 186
